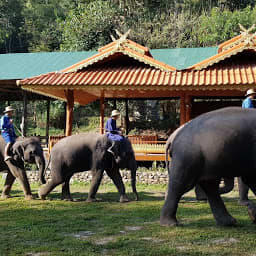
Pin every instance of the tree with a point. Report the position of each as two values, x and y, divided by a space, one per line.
11 22
220 26
89 25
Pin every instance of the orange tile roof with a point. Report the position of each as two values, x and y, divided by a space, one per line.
146 76
222 56
129 48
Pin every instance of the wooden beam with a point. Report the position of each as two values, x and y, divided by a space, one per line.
188 105
70 107
126 116
47 120
24 115
182 110
102 110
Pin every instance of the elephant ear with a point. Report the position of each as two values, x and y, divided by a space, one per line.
18 150
100 152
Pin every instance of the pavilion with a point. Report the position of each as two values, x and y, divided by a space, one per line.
127 70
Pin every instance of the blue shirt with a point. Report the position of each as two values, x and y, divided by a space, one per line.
247 103
111 126
6 126
112 130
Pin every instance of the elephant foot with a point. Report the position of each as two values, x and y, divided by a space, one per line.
67 198
91 200
169 222
124 199
252 212
4 196
244 202
42 197
227 222
29 197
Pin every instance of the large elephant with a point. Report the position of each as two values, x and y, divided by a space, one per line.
84 152
228 182
222 145
23 150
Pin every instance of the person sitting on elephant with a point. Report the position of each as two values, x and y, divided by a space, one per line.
112 132
7 131
247 103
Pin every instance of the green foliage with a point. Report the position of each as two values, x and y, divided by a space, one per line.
11 21
88 26
220 26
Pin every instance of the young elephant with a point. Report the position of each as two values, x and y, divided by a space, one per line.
222 144
84 152
23 150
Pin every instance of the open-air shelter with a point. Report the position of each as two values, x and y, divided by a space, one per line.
125 69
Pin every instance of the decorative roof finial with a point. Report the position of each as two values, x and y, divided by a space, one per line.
247 37
245 31
122 37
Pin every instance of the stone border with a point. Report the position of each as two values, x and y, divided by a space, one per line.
149 177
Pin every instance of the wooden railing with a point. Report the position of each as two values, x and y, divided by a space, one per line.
146 147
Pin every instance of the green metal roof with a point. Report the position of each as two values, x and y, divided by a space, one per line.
24 65
182 58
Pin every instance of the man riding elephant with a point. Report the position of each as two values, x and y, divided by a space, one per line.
90 152
7 131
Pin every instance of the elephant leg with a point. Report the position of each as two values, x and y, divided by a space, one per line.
243 192
20 174
200 194
177 187
66 195
96 180
56 180
115 175
220 213
244 185
8 185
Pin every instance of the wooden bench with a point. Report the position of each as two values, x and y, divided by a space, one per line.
146 147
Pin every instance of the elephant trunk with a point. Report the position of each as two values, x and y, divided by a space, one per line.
40 162
133 180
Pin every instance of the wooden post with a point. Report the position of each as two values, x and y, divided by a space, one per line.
70 106
182 110
114 104
102 110
24 115
188 104
65 115
126 116
47 120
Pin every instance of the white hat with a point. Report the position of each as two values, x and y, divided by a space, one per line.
249 92
8 109
115 113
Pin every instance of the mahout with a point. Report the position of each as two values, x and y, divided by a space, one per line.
215 145
89 152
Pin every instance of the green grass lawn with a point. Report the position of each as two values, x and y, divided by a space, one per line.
55 227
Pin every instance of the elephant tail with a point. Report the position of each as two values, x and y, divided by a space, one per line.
42 172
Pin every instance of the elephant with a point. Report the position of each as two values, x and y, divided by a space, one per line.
23 150
222 144
84 152
228 182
